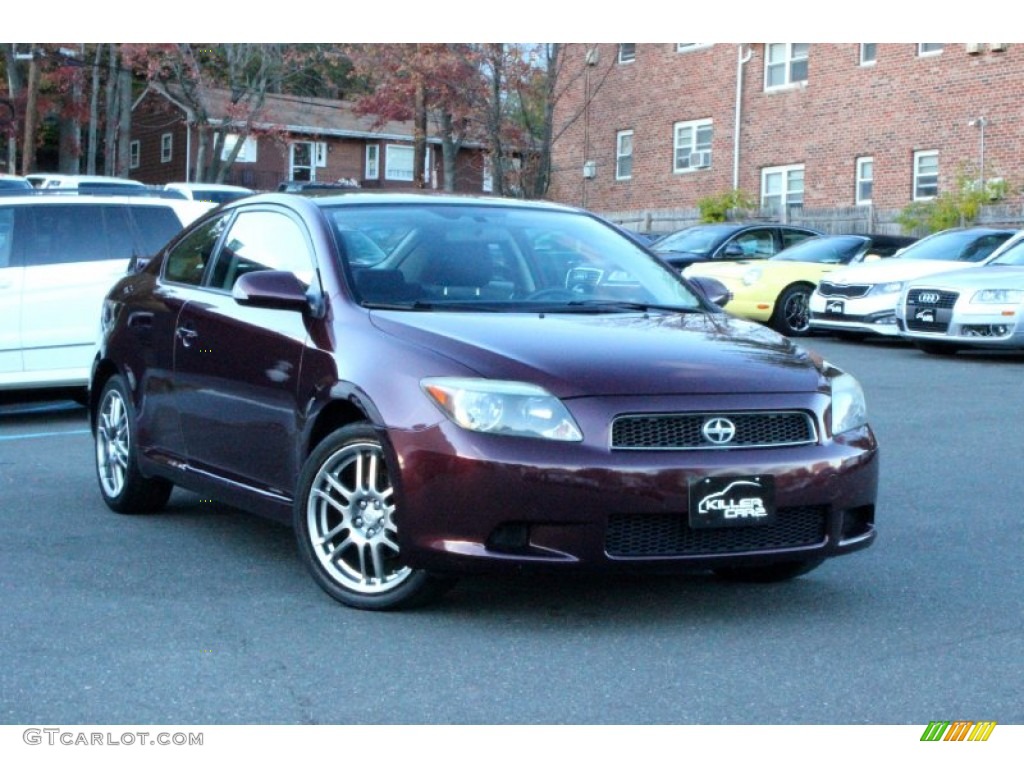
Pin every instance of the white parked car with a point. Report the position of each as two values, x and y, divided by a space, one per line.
59 255
80 181
978 308
861 300
217 194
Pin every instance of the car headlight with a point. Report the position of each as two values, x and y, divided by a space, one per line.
752 275
894 287
503 408
849 409
998 296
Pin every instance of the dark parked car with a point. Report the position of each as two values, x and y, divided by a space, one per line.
508 385
728 242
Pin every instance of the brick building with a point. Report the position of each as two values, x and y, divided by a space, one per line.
870 125
293 139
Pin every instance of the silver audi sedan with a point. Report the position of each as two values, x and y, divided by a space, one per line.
972 308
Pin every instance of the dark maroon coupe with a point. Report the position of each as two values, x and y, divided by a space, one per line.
426 386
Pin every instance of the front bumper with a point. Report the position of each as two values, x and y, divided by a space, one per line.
867 314
986 326
473 502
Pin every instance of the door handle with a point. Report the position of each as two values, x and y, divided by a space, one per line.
187 335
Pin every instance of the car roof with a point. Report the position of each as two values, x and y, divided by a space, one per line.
413 198
205 185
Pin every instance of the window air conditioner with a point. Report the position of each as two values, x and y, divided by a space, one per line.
700 159
997 46
973 48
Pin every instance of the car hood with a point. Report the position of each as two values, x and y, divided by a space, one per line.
985 277
574 355
893 270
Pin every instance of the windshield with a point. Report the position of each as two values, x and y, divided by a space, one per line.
959 245
489 258
824 250
699 240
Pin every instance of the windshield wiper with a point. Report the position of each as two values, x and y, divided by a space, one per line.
604 305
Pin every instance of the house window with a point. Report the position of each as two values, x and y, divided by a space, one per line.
134 150
398 163
487 184
624 155
926 175
786 64
692 145
865 179
301 157
627 53
781 187
166 145
680 47
372 168
320 154
929 49
868 53
246 153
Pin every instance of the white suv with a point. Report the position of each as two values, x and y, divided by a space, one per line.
861 299
59 255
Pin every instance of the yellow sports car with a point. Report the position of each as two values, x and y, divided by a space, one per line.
776 290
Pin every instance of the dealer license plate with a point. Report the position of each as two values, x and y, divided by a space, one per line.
835 307
721 502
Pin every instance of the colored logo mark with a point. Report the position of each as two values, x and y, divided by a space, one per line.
958 730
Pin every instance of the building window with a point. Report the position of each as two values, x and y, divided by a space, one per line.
398 163
692 145
868 53
246 153
166 145
320 154
487 184
782 187
865 179
786 64
372 167
926 175
627 53
929 49
301 163
624 155
134 151
681 47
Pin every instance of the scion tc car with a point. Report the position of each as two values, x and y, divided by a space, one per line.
860 300
507 386
728 242
968 309
777 290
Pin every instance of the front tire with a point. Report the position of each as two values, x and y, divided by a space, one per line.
768 574
792 315
124 489
346 524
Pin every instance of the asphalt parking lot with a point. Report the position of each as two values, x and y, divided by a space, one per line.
205 615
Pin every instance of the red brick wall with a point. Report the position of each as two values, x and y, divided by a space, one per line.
900 104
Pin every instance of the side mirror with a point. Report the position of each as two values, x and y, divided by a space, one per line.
732 251
713 290
272 289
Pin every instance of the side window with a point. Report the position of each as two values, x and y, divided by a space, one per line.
155 225
792 237
260 240
6 236
120 242
757 242
187 261
60 234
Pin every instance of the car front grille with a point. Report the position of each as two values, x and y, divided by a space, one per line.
826 288
684 431
923 297
668 535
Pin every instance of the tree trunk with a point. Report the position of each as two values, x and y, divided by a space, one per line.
110 134
28 153
542 178
124 123
94 113
419 135
14 86
450 146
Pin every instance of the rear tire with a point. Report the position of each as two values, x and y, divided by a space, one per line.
123 487
768 574
346 524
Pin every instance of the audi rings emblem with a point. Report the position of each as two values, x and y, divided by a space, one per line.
928 297
718 430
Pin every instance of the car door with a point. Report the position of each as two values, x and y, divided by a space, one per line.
72 255
11 275
236 368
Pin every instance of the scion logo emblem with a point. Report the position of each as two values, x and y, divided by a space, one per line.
928 298
718 431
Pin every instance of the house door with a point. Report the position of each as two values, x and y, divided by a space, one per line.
302 165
